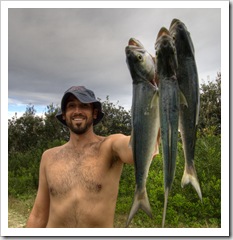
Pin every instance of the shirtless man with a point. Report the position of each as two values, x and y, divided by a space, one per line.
78 181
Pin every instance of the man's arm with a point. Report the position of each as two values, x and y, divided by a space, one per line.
40 211
122 148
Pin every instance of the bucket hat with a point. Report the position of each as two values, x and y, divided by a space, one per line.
84 95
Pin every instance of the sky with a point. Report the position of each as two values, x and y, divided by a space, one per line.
52 49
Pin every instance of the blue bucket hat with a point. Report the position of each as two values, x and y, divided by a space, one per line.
84 95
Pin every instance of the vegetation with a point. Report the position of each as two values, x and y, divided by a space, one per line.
30 135
210 117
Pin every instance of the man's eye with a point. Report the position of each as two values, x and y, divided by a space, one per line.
85 105
71 105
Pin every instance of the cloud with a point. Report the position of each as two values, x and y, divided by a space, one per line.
53 49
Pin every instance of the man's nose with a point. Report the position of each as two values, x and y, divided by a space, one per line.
77 109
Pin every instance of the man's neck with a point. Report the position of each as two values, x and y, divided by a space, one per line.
80 140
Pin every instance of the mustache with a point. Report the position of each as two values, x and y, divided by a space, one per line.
78 115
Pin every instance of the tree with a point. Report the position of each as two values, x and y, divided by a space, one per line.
116 120
24 132
210 107
52 128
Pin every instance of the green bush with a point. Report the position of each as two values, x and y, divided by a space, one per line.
184 206
23 170
22 184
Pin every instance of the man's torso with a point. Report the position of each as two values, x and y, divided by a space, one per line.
83 185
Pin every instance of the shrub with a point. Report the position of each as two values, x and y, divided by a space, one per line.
184 206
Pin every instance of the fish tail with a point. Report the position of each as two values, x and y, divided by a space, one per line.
140 201
190 176
165 206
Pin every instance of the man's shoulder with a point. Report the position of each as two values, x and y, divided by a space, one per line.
109 140
117 140
116 136
119 137
52 151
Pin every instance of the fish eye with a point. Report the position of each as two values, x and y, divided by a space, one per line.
128 52
139 56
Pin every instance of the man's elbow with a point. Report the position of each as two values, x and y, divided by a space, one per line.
36 221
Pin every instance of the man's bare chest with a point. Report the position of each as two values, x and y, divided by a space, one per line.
76 171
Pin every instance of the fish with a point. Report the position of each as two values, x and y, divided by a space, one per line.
187 76
145 120
169 102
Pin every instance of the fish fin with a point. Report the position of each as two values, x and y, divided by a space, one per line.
197 107
155 100
156 76
197 113
183 99
157 143
179 125
140 201
191 177
131 139
165 206
156 149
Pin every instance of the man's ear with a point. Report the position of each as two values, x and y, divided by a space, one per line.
95 113
63 116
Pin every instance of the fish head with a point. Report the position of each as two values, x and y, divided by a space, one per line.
165 52
181 37
140 63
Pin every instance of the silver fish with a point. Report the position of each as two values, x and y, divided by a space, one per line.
187 76
145 120
169 101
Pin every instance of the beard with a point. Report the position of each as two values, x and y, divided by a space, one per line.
80 128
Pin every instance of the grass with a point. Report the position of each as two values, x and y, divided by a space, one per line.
19 210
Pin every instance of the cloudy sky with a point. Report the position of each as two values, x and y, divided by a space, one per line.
51 49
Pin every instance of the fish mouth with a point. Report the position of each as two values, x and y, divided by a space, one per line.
165 49
174 22
163 38
135 42
163 32
178 28
177 24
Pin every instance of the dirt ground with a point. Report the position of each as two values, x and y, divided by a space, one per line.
15 219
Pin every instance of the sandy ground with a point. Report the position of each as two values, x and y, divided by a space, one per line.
16 220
